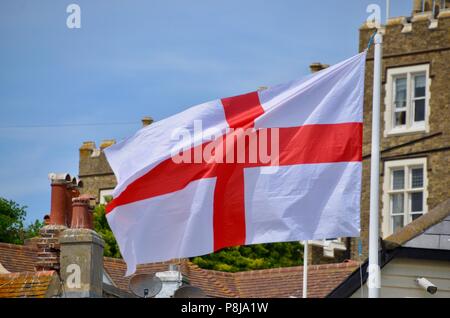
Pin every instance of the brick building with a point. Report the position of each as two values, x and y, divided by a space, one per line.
415 117
415 129
94 170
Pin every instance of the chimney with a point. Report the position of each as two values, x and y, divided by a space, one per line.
58 212
146 121
82 214
316 67
71 192
48 242
81 260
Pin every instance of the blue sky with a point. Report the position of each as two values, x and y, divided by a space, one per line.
137 58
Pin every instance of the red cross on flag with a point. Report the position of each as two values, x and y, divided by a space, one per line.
281 164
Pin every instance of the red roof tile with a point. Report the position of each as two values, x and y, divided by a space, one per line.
18 258
28 284
277 282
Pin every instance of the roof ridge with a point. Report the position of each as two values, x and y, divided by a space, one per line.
17 246
37 273
345 264
419 225
211 275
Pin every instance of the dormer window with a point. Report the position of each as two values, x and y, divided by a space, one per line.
407 95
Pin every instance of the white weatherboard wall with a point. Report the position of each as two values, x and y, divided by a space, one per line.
398 279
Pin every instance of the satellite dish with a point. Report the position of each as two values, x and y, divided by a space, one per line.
145 285
189 292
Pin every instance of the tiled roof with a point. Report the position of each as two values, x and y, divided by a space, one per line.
18 258
419 226
27 284
278 282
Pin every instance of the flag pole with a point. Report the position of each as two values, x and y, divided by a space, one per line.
305 270
373 282
388 10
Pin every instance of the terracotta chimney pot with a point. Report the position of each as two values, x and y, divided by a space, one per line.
82 217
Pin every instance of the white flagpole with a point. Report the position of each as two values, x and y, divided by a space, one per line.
388 10
373 282
305 269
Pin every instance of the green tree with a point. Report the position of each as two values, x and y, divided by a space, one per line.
258 256
12 228
101 226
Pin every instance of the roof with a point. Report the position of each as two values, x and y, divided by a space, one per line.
277 282
18 258
427 237
431 230
29 284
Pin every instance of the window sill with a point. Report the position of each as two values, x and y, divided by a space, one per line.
405 131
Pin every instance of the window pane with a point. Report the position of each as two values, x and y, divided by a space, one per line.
397 222
398 179
400 92
419 86
397 203
416 216
417 178
416 202
419 110
400 118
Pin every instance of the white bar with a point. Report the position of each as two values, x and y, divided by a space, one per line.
301 202
374 269
305 269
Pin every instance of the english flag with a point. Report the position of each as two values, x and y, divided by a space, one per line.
276 165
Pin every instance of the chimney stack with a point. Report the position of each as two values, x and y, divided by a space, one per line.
72 191
82 214
146 121
48 243
82 261
58 212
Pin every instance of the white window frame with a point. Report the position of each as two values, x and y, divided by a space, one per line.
389 167
103 193
410 126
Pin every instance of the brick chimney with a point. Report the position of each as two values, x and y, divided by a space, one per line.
48 242
75 252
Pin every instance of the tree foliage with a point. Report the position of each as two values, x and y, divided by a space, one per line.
258 256
101 226
12 228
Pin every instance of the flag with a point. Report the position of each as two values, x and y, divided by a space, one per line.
275 165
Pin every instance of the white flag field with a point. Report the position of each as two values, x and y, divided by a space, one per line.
276 165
